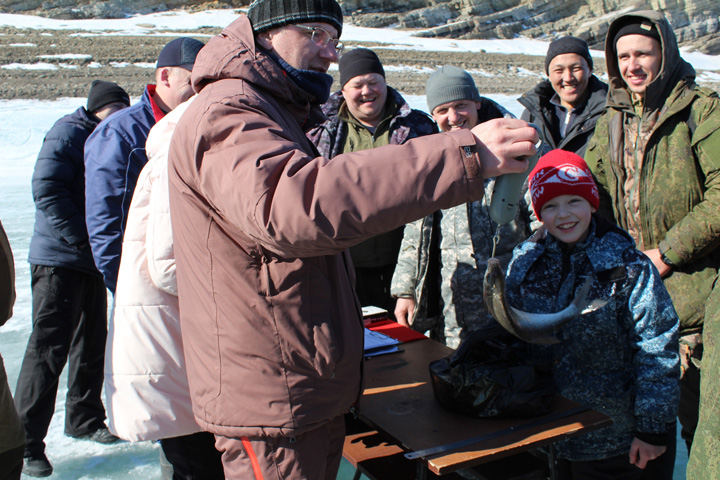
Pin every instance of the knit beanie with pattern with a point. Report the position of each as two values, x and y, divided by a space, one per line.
449 84
559 172
267 14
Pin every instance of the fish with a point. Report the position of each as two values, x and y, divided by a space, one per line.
532 327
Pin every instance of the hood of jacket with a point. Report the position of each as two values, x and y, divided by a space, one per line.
234 54
672 70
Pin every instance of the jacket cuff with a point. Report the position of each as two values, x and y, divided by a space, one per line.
656 439
469 150
667 253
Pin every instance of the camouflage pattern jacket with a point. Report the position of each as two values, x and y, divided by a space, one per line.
621 359
704 460
443 258
674 202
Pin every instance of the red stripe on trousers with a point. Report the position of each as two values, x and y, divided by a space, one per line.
253 458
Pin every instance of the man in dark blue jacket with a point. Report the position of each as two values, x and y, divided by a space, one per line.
568 103
115 154
69 299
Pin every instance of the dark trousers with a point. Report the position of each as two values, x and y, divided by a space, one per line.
69 315
689 407
614 468
619 468
11 463
193 457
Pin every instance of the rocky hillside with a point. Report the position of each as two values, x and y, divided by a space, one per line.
696 22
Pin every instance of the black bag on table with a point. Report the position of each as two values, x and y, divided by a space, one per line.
491 374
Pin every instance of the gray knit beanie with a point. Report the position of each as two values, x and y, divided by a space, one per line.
449 84
267 14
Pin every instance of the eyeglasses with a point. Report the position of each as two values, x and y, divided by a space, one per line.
322 37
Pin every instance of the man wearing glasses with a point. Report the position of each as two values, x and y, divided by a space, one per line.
272 330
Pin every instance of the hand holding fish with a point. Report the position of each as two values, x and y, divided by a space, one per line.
502 142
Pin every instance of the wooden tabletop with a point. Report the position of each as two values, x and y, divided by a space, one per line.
399 401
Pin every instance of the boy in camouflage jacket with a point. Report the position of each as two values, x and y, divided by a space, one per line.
620 359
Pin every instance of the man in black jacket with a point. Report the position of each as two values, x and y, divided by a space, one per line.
568 103
69 310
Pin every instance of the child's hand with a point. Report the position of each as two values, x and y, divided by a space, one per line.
641 453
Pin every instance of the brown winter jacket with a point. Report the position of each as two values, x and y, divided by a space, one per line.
271 327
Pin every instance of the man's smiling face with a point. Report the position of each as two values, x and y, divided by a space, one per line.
639 61
569 75
365 97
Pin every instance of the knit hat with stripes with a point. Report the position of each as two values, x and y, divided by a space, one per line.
267 14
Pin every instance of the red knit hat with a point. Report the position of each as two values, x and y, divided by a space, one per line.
561 173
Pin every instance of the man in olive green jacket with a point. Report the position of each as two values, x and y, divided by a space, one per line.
655 155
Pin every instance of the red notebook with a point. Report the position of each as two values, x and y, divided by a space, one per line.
396 331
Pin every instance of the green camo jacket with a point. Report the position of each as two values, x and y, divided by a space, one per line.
679 183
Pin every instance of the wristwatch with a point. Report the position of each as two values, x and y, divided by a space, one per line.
666 260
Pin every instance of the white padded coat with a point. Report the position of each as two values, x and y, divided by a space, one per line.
146 385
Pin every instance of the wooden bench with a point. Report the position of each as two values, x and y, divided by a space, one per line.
378 457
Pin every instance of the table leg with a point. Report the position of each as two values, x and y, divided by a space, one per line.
552 461
421 470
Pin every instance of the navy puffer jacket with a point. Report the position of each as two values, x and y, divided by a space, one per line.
60 237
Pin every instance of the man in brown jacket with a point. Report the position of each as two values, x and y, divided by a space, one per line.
272 330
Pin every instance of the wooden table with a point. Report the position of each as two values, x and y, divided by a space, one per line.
398 403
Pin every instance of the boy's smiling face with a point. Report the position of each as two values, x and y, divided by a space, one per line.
567 218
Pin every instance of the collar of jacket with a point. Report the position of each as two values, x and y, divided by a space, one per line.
234 54
604 237
86 119
537 100
678 99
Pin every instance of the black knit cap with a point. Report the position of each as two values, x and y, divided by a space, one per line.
180 52
568 45
104 93
267 14
636 26
359 61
